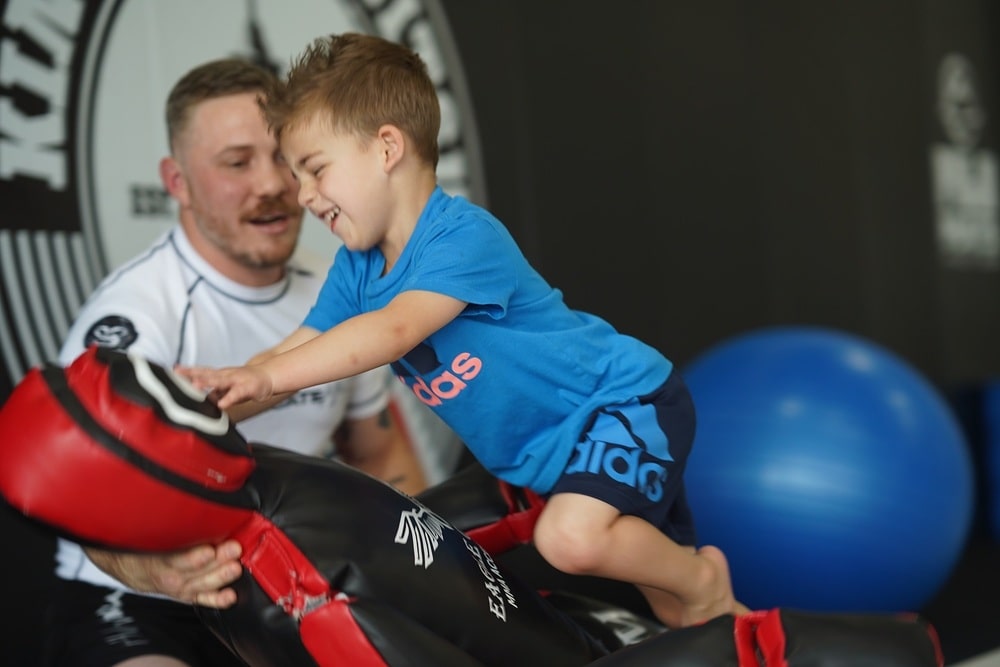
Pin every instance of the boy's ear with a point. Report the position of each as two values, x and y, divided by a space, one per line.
392 146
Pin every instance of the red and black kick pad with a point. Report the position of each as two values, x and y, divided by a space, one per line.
782 638
339 568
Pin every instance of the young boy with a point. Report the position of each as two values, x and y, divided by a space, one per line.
545 397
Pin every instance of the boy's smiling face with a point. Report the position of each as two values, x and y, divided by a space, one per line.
342 180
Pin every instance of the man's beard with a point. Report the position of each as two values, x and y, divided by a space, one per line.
261 260
255 253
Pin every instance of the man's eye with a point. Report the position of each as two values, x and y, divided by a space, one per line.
238 164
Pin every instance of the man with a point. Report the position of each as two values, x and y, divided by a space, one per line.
217 289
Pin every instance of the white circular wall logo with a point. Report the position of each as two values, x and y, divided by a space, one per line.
82 89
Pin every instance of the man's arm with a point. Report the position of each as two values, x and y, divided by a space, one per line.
378 446
200 575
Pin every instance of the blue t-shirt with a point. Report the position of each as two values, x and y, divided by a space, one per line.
517 374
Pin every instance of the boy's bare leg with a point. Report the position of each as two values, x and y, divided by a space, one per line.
669 608
582 535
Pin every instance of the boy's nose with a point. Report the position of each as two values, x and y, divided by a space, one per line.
306 194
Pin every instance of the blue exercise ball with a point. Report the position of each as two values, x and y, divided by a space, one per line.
831 473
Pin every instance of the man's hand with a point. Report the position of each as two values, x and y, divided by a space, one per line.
200 575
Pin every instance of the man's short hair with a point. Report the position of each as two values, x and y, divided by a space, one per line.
216 78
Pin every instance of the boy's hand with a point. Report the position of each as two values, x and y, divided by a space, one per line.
229 386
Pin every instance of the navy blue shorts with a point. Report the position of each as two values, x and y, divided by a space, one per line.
632 456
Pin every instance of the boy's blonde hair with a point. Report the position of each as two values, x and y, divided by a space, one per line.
358 83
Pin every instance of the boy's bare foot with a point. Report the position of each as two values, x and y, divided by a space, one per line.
716 598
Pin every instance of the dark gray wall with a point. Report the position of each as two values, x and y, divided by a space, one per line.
694 170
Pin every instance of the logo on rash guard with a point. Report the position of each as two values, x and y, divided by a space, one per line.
449 384
113 331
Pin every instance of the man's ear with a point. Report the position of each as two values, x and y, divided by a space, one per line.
173 180
391 144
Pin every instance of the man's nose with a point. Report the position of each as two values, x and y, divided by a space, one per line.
273 179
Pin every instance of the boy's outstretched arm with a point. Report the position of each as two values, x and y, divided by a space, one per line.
356 345
248 409
301 335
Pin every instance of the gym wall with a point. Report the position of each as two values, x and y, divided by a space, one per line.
695 170
687 170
